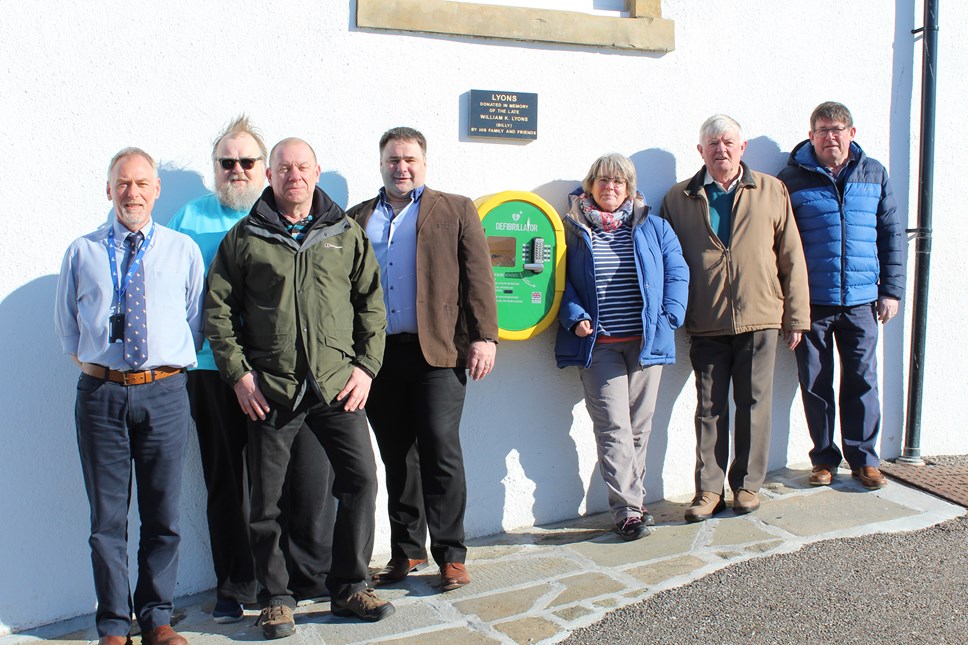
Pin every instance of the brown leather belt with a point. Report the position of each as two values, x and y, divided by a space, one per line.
129 378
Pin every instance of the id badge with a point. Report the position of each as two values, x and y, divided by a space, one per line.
116 322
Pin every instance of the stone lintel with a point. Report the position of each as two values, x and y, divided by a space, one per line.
647 31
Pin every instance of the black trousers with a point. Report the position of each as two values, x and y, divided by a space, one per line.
222 439
415 411
272 448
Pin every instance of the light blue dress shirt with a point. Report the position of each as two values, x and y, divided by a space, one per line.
206 221
394 240
174 288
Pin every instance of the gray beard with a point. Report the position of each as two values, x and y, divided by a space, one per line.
237 200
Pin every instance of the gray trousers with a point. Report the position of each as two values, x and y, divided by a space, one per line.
620 396
747 361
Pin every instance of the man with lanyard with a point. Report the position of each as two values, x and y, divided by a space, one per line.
238 158
441 319
128 311
853 241
295 318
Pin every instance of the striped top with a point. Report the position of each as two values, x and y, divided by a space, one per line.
297 229
616 283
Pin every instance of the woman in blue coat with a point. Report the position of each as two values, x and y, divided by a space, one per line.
625 294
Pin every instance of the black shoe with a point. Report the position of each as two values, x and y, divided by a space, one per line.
631 528
277 621
647 518
227 610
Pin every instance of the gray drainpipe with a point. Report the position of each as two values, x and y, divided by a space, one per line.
911 454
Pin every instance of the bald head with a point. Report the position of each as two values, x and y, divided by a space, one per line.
293 173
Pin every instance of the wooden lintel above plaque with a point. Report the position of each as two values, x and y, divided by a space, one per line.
644 30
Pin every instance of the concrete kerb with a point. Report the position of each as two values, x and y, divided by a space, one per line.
539 584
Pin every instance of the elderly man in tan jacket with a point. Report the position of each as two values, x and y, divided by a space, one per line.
748 279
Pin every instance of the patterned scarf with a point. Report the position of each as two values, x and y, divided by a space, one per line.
603 220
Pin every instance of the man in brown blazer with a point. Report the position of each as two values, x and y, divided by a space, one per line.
441 320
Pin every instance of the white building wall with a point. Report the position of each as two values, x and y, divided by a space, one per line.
80 80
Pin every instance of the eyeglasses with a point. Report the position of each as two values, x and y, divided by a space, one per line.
228 163
836 131
605 181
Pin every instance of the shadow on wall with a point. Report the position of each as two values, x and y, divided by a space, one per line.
655 170
520 439
177 187
764 155
39 465
893 398
334 185
672 385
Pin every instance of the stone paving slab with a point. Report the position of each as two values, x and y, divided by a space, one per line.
537 584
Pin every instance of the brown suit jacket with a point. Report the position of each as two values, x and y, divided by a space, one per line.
456 300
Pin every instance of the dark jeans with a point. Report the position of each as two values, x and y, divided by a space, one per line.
147 425
854 330
415 411
746 361
345 438
222 437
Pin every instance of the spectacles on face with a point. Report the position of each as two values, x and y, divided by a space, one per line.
837 131
228 163
605 181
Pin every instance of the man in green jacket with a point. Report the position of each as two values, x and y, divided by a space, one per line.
747 280
295 318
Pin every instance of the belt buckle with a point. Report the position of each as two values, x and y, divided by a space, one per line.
134 378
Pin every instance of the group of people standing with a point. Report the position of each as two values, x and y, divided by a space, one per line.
313 321
310 316
739 258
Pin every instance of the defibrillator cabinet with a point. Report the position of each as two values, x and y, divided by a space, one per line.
527 244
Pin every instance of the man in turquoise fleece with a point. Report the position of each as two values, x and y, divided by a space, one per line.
239 161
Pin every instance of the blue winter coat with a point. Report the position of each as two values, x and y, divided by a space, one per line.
663 280
853 243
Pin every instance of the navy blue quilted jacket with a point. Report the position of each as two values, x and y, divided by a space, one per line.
853 243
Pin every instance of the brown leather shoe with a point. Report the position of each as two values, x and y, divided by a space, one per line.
163 635
114 640
704 505
453 575
870 477
397 569
745 501
822 475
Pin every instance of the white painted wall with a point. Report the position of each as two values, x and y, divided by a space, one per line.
80 80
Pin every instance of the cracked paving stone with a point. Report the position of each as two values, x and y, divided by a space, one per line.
656 572
662 543
569 614
503 605
732 533
828 511
529 630
460 635
586 585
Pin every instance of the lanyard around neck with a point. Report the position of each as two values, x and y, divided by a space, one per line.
120 286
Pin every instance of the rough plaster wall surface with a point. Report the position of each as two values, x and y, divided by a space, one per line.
82 80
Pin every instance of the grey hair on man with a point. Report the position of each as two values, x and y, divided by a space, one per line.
719 124
131 151
241 125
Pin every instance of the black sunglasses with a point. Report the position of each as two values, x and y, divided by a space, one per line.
229 164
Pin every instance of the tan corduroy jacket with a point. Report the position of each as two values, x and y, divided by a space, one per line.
456 300
760 280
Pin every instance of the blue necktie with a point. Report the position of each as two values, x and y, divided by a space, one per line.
135 314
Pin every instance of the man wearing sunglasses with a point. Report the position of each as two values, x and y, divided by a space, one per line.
294 314
238 158
853 241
